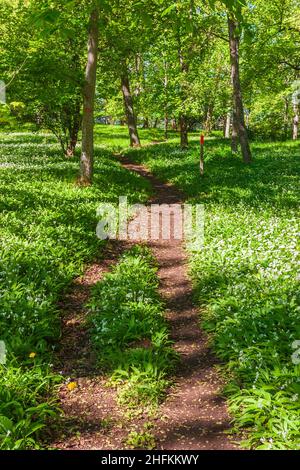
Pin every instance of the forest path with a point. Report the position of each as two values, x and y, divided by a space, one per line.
91 418
194 414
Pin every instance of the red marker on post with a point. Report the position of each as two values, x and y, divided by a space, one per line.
202 155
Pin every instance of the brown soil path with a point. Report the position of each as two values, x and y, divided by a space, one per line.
91 418
194 415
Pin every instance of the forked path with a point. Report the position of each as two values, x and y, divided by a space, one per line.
194 416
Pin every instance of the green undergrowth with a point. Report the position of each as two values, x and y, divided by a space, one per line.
129 331
116 137
47 233
246 277
27 404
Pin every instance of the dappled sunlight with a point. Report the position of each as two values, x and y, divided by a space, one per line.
245 278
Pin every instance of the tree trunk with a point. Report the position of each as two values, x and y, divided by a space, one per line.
155 124
227 125
74 131
239 116
89 92
72 144
183 132
234 133
166 127
286 119
208 120
166 83
184 67
129 110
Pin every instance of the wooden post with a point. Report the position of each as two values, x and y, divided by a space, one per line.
202 155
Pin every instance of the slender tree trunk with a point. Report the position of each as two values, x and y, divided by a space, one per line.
208 120
138 71
166 82
146 123
184 67
227 125
129 110
72 143
155 124
234 132
286 118
174 125
295 121
183 131
89 92
238 112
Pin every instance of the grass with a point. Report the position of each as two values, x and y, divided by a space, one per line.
116 137
246 278
143 440
129 331
47 230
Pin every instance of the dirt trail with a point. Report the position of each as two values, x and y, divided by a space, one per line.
91 418
194 416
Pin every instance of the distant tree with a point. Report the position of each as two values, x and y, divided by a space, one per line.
239 126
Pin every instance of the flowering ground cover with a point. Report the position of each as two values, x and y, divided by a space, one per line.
47 230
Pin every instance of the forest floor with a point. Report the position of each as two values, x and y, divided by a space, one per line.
244 283
193 416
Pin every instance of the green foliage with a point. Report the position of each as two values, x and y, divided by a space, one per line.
129 330
27 403
143 440
4 115
246 278
176 54
47 233
115 138
45 73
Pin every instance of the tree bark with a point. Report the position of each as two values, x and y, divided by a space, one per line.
166 126
208 120
183 131
184 67
234 133
146 123
227 125
74 131
89 92
166 97
238 108
286 118
295 121
129 110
